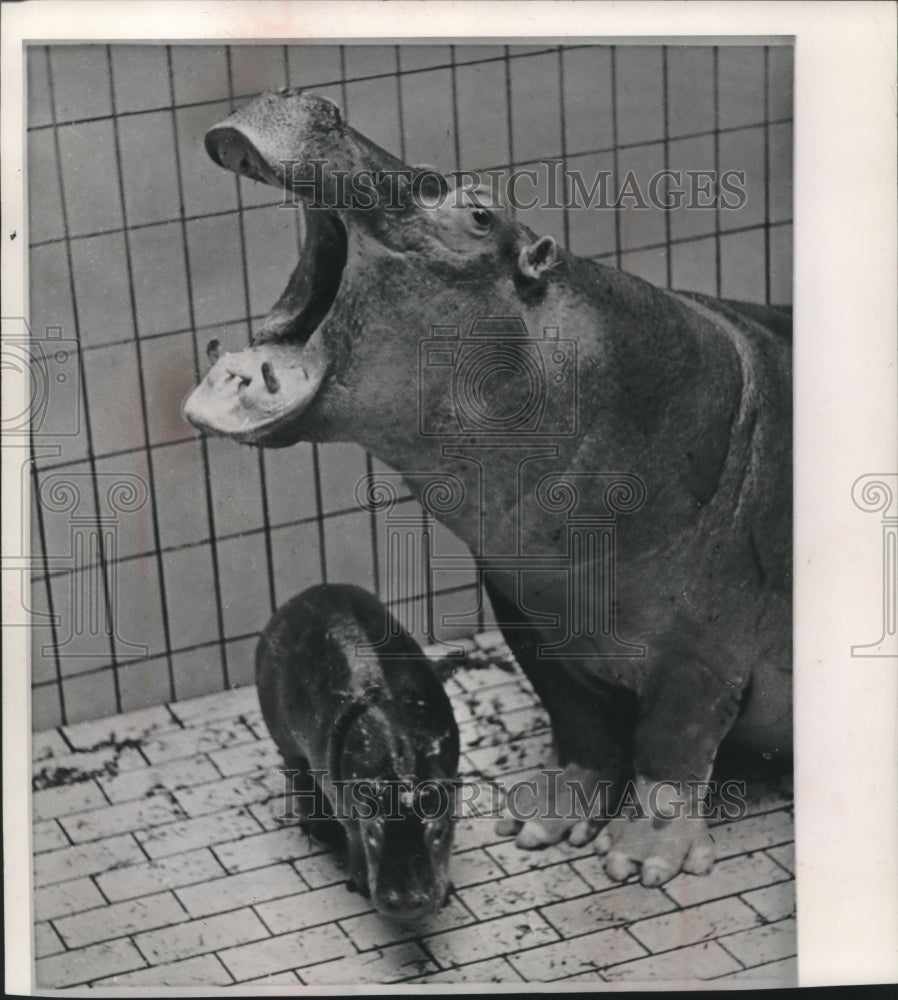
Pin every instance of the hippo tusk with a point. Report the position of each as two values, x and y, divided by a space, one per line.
271 382
213 351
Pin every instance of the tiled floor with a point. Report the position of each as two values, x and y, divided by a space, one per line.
160 861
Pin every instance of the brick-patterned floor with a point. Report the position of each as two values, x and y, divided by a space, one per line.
159 861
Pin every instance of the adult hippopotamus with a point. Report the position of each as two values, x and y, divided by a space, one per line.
619 458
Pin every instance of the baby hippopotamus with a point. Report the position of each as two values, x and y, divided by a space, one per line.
373 738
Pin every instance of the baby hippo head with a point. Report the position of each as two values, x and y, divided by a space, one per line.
407 842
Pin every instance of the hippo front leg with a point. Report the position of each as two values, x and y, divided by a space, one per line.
660 827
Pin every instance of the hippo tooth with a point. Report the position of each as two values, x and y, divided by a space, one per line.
271 382
213 351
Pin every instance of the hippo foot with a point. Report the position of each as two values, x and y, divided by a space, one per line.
663 834
559 803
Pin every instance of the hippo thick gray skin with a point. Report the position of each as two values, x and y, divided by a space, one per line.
371 738
670 412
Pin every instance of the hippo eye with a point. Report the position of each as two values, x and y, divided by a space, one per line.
482 218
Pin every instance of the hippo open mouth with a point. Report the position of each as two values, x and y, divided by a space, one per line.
256 395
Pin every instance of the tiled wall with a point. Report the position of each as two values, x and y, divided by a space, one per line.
142 250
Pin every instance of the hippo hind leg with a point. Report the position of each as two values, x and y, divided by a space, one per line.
592 731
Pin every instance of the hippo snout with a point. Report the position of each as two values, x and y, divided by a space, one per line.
400 904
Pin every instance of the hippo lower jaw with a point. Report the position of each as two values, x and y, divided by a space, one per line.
257 395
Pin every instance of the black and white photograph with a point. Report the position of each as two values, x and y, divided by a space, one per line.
409 463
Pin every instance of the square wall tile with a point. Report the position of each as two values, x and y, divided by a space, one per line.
190 589
743 151
641 222
113 398
169 373
639 89
126 478
740 72
46 709
216 269
342 467
160 279
694 266
45 219
241 654
781 172
482 115
648 264
743 266
236 488
348 546
198 671
199 73
90 178
781 81
140 77
144 683
690 89
101 288
80 638
39 111
65 498
243 572
297 560
205 185
369 60
535 106
313 64
413 57
290 479
257 68
81 84
592 229
147 144
50 291
587 99
180 483
372 108
686 155
428 126
272 254
43 666
136 599
477 53
459 604
89 697
781 265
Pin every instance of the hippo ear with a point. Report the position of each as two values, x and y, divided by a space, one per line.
536 258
